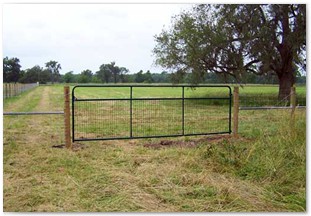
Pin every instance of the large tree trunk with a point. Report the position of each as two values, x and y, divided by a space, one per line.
286 73
286 81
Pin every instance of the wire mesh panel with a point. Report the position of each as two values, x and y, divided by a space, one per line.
207 109
97 119
203 116
157 117
139 111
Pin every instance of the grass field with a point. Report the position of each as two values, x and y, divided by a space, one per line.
264 170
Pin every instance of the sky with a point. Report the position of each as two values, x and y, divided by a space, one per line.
85 36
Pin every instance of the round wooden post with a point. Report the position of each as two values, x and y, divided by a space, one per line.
235 111
67 117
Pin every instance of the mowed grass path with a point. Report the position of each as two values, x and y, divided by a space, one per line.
263 170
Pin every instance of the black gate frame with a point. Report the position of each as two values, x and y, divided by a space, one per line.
74 99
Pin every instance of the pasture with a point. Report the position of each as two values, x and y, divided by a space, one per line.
264 170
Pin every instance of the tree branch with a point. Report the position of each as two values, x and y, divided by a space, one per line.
250 63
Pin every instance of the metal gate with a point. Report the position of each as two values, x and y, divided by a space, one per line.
108 112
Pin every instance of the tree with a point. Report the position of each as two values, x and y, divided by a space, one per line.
35 74
53 67
95 80
234 40
69 77
44 76
139 77
115 71
111 71
163 77
148 77
85 76
122 73
31 75
11 69
104 73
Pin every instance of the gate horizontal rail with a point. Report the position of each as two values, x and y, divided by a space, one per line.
34 113
131 117
144 137
126 99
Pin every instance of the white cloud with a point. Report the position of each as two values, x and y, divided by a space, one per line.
84 36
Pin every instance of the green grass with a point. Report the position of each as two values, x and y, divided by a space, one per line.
264 170
267 95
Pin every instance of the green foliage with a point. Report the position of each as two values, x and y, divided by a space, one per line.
111 72
235 40
11 69
41 75
35 74
139 78
69 77
54 67
85 76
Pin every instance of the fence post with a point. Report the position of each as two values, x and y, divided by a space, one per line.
293 99
14 89
235 111
67 117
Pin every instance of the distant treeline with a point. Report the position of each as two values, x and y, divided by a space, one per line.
111 73
165 77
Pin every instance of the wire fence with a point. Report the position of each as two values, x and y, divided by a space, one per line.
14 89
268 97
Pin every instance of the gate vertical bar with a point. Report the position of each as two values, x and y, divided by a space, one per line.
230 104
131 111
73 114
183 110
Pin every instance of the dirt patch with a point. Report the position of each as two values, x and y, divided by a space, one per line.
75 146
78 146
187 144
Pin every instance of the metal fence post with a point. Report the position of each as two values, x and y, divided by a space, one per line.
235 111
183 110
67 117
131 111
